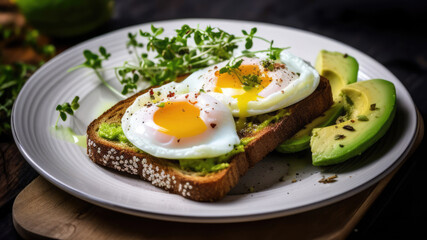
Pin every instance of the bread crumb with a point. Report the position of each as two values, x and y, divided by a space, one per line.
330 179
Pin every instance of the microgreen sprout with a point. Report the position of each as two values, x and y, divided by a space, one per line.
249 37
175 56
273 53
250 81
94 61
232 67
67 108
134 44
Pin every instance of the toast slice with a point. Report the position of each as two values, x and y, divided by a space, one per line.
166 174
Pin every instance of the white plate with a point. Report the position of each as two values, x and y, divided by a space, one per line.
66 165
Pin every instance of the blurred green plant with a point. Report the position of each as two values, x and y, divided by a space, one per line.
66 18
13 76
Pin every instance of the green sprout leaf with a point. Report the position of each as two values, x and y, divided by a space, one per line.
75 103
94 61
251 81
67 108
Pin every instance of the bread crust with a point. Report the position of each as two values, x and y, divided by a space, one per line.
165 174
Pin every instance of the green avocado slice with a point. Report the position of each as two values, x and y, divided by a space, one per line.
301 140
340 69
371 107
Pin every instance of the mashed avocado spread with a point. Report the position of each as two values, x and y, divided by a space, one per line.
114 132
210 164
257 123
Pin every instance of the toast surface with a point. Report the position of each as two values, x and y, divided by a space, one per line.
166 174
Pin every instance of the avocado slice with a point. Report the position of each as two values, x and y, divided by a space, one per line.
301 140
340 69
371 107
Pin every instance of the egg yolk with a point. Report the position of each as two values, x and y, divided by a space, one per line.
231 84
179 119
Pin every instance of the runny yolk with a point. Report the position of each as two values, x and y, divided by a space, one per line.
179 119
230 84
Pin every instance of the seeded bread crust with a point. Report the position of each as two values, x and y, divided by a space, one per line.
165 174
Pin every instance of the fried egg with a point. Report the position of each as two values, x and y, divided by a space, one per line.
170 122
276 85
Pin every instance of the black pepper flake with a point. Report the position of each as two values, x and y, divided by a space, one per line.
339 136
349 128
345 55
213 125
341 145
373 107
178 140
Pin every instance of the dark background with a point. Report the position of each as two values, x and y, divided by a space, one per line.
392 32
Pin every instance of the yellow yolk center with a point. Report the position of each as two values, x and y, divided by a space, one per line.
230 84
179 119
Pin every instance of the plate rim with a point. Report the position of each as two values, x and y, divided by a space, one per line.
209 219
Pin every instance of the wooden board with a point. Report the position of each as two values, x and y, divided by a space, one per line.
42 210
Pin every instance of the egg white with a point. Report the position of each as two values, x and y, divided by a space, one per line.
297 89
139 127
